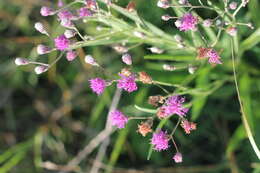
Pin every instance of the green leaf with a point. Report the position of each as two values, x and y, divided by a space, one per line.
170 57
251 41
151 111
235 140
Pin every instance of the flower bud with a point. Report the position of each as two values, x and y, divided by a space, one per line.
46 11
69 33
139 34
178 38
232 31
40 69
67 23
156 50
71 55
90 60
145 127
207 23
166 17
127 59
21 61
192 69
39 27
168 67
163 4
42 49
120 49
233 5
177 157
183 2
177 23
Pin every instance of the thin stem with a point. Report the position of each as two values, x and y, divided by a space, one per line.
173 131
56 60
244 119
139 118
174 144
79 33
237 10
38 63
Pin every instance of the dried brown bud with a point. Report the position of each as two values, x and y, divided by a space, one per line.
131 6
188 126
145 127
161 113
154 100
145 78
202 52
126 72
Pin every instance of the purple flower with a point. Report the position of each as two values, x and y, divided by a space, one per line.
71 55
46 11
61 42
118 119
214 57
173 105
65 15
177 157
187 22
160 141
97 85
84 12
127 83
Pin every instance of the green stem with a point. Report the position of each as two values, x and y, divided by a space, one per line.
244 119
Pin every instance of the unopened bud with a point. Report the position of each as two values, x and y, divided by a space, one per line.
40 69
71 55
125 72
127 59
69 33
145 127
166 17
168 67
192 69
156 50
139 34
130 7
178 38
21 61
39 27
90 60
163 4
207 23
183 2
46 11
232 31
177 23
120 49
42 49
233 5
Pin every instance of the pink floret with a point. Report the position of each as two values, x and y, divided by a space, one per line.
160 141
188 22
97 85
61 42
127 83
118 119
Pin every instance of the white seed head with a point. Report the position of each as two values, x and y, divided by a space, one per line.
40 69
21 61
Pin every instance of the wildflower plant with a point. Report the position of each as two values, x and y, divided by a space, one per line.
195 47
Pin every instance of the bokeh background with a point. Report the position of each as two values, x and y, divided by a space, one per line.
51 117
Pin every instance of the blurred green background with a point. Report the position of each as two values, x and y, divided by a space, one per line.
50 117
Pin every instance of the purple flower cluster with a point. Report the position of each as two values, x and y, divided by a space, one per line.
97 85
61 42
127 83
160 141
187 22
173 105
118 119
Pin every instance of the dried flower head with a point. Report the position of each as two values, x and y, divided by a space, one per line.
145 127
188 126
160 141
155 100
118 119
145 78
130 6
97 85
202 52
